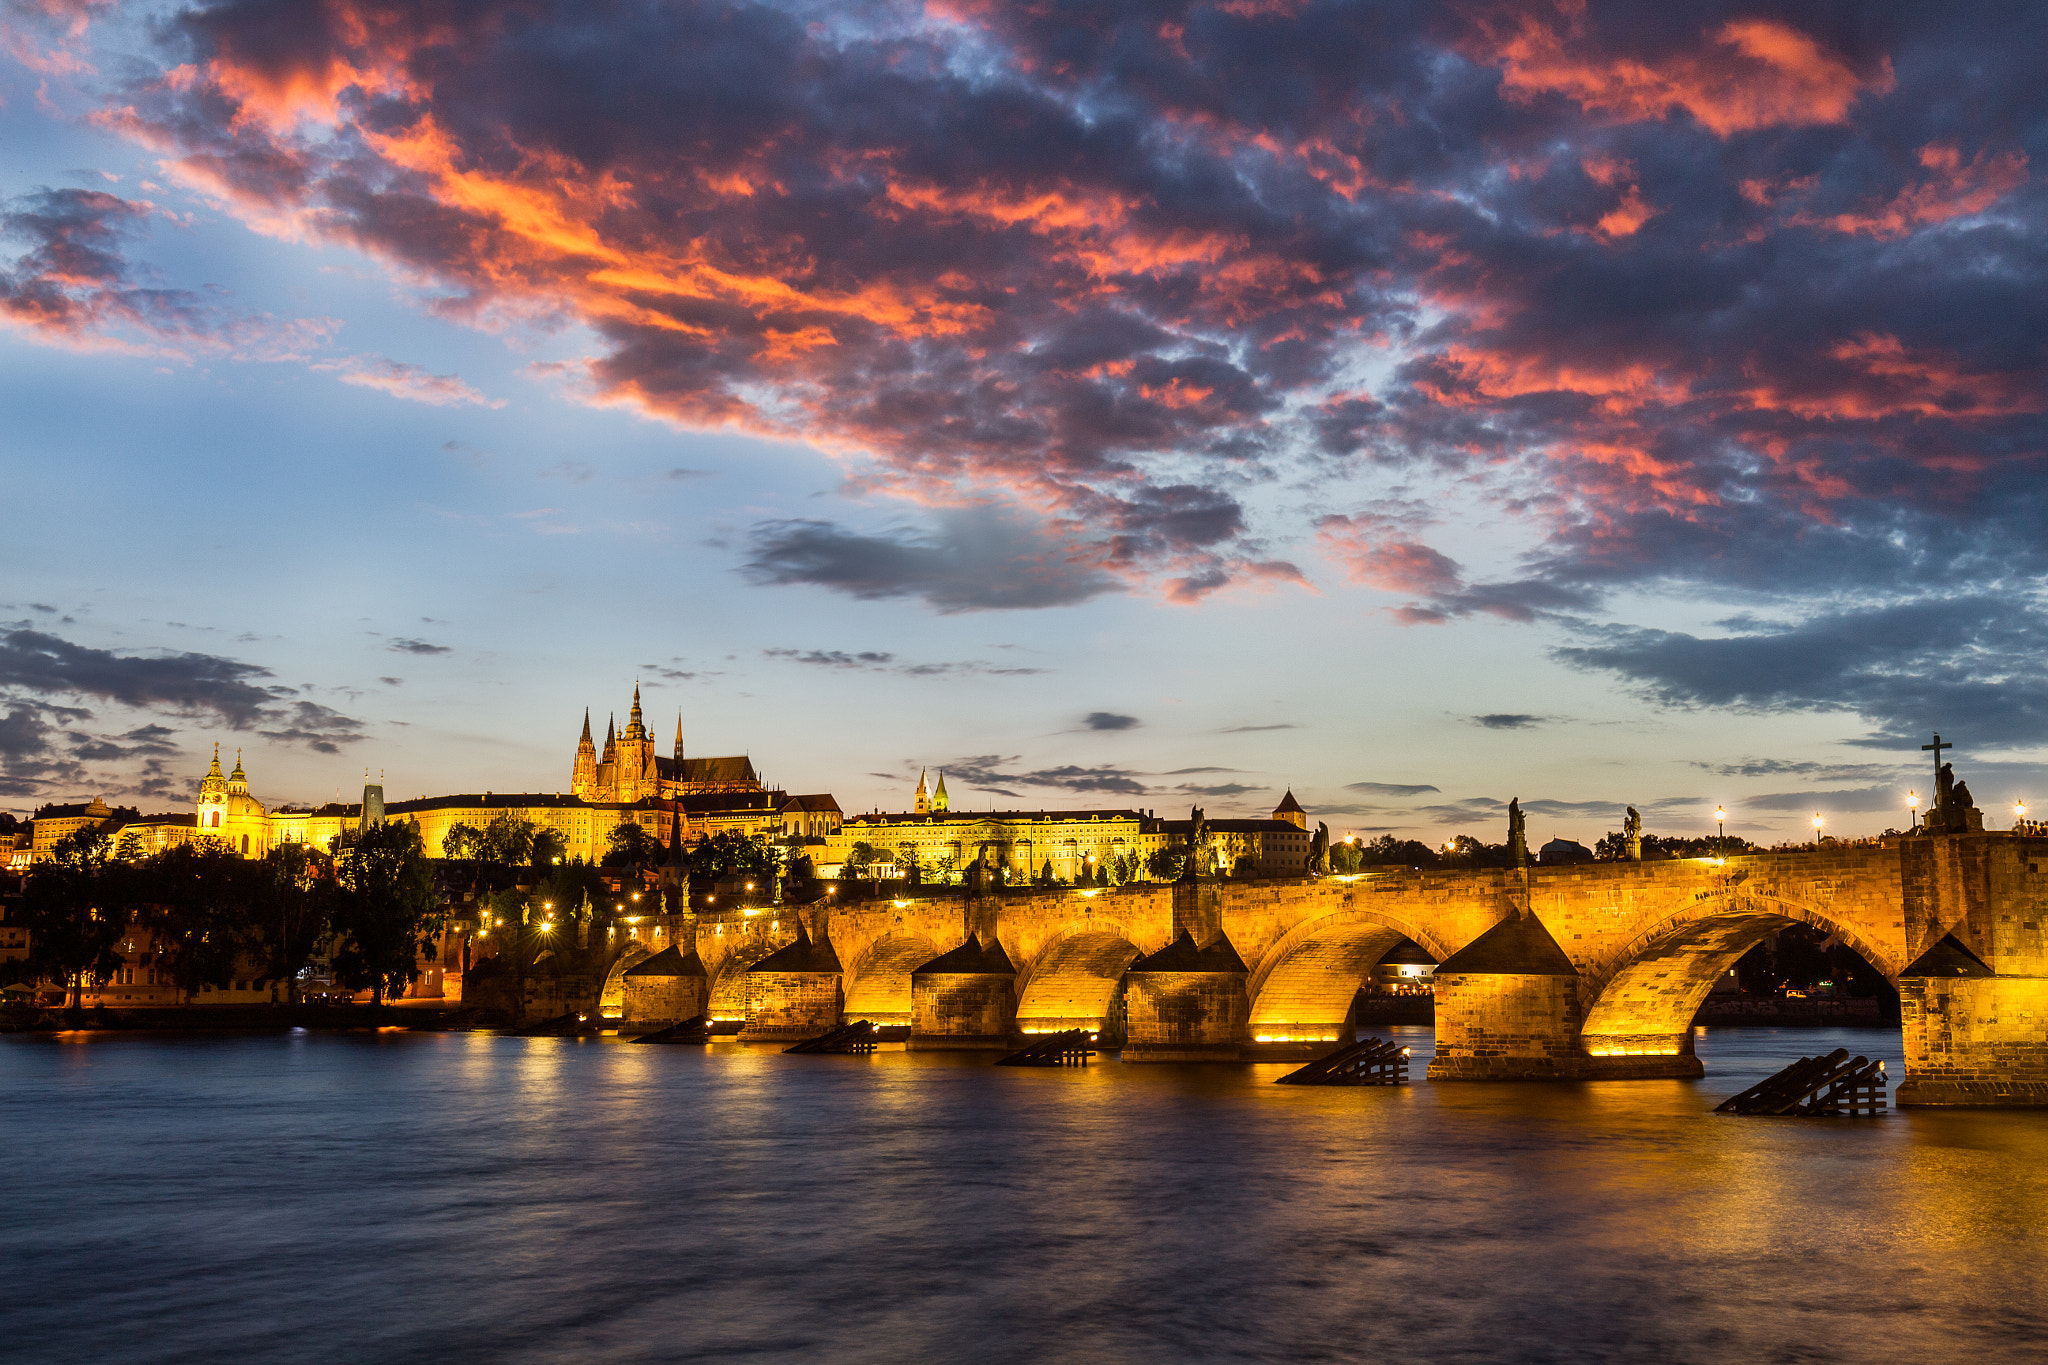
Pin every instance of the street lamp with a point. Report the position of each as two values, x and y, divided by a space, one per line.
2019 812
1818 821
1913 809
1721 823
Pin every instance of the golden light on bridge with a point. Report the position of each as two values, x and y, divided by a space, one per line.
1818 821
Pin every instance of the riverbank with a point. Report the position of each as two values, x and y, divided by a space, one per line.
423 1016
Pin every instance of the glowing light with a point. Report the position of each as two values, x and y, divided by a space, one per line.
1720 815
1912 800
2019 810
1818 821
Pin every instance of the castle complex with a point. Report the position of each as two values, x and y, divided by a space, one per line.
675 796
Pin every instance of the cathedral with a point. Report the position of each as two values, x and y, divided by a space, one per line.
629 770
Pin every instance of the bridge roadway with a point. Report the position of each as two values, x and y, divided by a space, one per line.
1565 973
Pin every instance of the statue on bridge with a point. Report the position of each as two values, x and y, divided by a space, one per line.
1954 812
1319 850
1632 835
1518 834
1196 863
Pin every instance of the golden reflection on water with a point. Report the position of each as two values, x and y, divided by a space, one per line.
461 1196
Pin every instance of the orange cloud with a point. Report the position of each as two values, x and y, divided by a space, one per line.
1881 377
1751 73
1955 190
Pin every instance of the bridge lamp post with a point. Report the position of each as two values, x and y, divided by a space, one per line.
1721 824
1913 809
1818 821
2019 813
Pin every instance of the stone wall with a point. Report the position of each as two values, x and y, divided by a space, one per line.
958 1009
791 1006
1184 1016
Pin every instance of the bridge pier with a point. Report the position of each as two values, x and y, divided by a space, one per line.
964 999
1186 1004
1509 1007
1974 1004
794 993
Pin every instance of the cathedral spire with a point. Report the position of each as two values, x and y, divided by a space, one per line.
921 804
586 726
214 771
636 727
679 746
940 801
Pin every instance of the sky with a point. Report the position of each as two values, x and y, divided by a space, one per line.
1110 403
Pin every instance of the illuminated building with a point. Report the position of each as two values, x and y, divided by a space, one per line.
942 843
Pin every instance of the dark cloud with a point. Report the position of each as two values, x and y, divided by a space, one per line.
75 285
1220 789
319 728
392 682
403 646
1967 666
1783 767
1393 789
986 772
186 684
36 668
975 561
833 658
875 661
1507 720
1834 801
1709 300
1110 720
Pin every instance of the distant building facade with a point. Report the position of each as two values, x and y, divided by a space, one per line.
941 843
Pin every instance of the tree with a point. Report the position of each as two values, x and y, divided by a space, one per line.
291 912
389 914
463 842
1345 858
859 859
195 902
508 841
630 845
1164 864
75 911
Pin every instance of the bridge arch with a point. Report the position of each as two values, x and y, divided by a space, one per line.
1073 979
1643 1002
611 1001
1304 985
728 969
878 985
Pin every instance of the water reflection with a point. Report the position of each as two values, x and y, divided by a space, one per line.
462 1197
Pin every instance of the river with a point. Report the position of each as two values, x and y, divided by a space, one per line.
398 1197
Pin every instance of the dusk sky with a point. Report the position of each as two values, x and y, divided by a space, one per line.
1114 404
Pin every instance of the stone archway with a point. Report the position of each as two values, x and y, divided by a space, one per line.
611 1001
1643 1004
1302 989
878 987
1073 980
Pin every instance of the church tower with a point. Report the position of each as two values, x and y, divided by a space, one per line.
1290 810
583 777
238 781
940 801
923 804
634 756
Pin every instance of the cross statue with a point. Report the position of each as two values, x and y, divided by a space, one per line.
1937 746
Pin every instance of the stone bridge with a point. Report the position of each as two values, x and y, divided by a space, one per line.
1567 973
